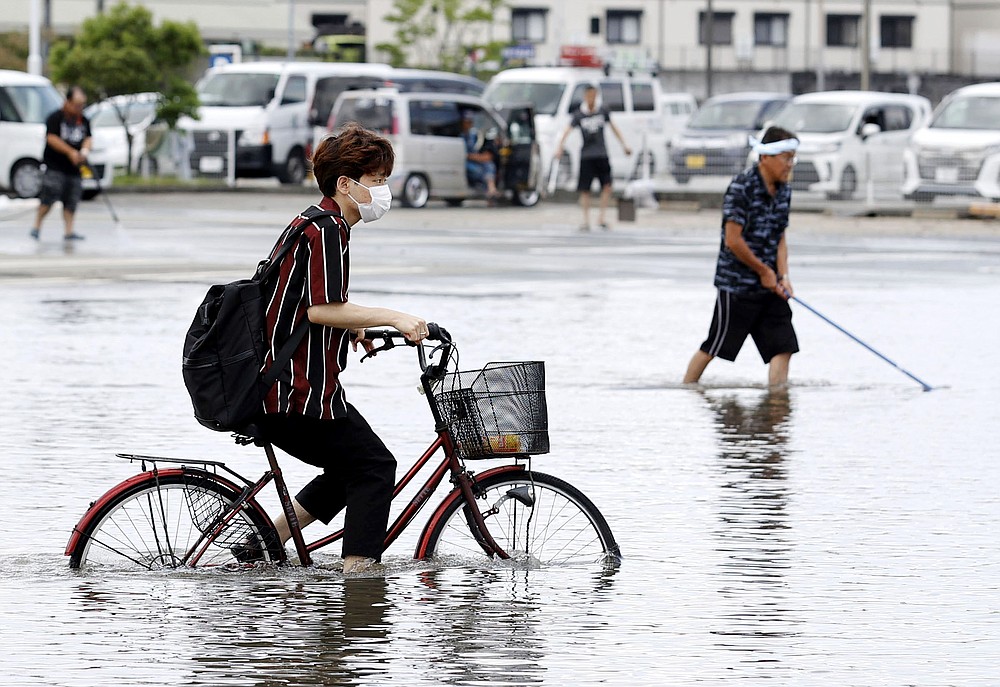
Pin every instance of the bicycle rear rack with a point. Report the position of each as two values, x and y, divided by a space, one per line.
206 465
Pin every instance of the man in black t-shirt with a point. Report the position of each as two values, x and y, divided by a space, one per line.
594 163
67 144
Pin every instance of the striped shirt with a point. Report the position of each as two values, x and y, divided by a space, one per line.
764 219
315 272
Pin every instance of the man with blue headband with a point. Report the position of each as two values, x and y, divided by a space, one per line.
751 274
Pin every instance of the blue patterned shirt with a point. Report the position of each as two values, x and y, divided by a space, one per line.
764 219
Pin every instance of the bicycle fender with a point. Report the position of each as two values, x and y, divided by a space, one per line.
455 494
114 492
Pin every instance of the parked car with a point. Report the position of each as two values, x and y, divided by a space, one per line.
958 152
556 92
430 81
267 110
25 102
109 151
847 137
714 142
426 134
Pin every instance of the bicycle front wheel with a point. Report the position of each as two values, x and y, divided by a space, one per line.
162 521
537 519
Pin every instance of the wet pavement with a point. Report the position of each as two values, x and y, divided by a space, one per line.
842 533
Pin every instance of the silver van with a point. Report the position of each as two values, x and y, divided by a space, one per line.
426 134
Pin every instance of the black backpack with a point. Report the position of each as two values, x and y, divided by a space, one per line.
226 345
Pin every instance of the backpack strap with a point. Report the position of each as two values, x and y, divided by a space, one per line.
288 349
291 241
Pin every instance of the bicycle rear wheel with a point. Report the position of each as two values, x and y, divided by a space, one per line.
536 518
157 522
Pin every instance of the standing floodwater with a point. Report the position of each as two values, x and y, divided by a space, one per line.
839 533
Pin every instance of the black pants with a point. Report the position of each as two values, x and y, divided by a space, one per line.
359 473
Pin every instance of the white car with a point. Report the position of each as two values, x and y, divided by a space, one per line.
848 138
109 150
25 102
958 152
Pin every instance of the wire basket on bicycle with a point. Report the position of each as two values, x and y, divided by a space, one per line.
498 410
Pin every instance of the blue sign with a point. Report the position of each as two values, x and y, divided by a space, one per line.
518 52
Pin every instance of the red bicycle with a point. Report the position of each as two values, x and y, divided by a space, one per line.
197 513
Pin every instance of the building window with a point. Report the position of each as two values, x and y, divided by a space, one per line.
528 25
770 29
722 28
624 27
843 30
897 32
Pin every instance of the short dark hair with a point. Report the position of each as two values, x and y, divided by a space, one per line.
73 90
351 152
776 133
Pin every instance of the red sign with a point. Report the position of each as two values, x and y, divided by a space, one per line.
580 56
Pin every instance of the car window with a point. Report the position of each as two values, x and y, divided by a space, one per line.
544 96
140 112
576 99
770 109
898 117
329 87
969 112
375 113
872 115
34 103
642 97
435 118
815 118
8 113
613 95
295 90
521 126
728 114
237 89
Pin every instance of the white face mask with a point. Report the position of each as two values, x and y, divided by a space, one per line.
381 202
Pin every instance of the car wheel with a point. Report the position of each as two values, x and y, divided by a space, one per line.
526 198
26 179
848 185
294 169
453 202
416 192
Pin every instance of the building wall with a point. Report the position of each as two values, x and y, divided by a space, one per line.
948 35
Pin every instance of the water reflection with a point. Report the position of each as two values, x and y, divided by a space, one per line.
754 528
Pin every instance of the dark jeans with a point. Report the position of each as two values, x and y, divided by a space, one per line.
359 473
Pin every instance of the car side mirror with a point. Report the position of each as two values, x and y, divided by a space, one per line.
870 129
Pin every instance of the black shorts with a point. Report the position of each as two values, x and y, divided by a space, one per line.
594 168
58 185
767 318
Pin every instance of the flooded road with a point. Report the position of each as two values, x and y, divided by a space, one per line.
840 533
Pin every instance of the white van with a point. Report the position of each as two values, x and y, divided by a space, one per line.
958 152
556 92
25 102
851 137
425 130
266 111
677 110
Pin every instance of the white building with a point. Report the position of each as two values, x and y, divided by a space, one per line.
907 36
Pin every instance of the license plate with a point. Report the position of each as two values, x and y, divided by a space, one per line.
695 161
946 175
211 165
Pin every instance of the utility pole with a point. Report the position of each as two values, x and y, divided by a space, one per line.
866 46
34 39
709 39
291 30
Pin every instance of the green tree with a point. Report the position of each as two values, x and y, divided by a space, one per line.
437 33
121 52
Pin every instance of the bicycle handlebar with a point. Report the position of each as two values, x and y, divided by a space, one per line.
435 332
